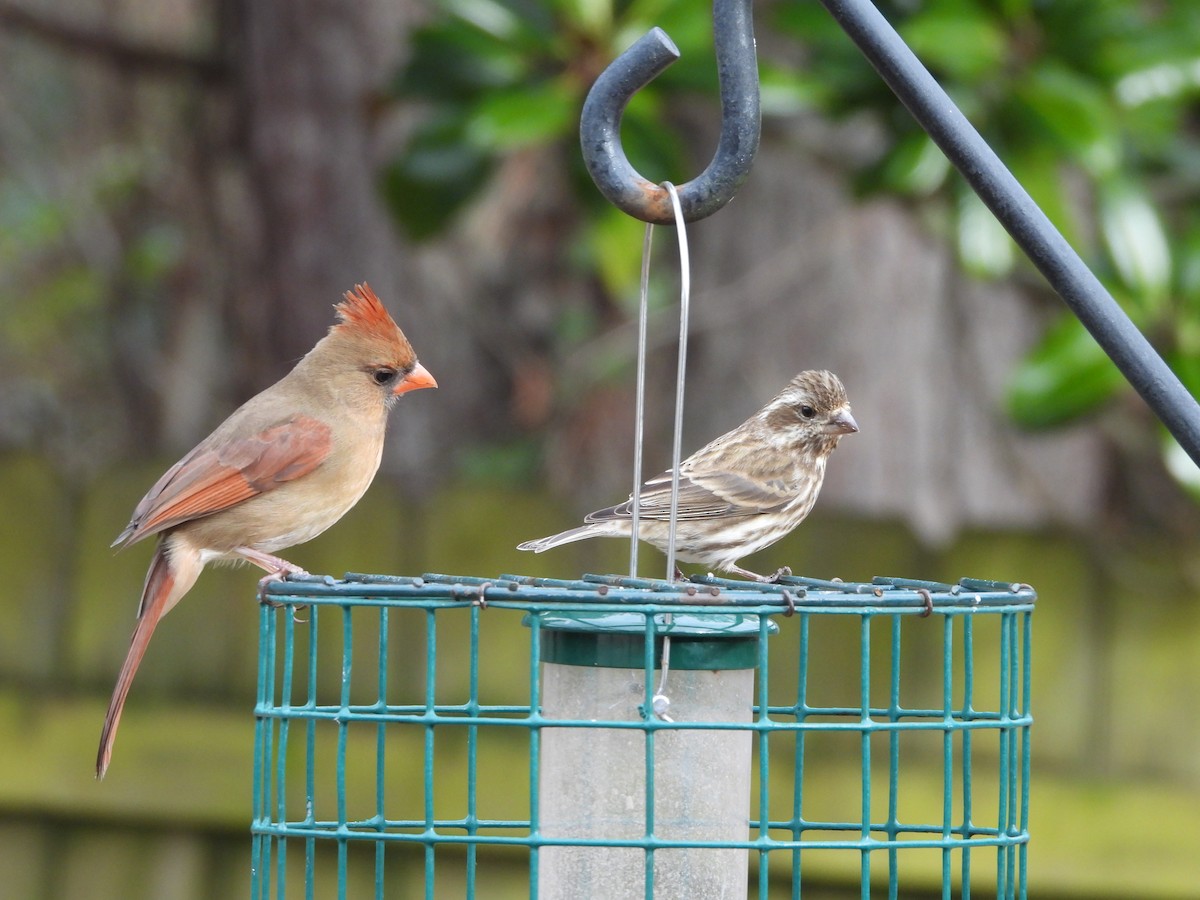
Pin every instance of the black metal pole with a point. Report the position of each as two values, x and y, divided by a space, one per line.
1027 224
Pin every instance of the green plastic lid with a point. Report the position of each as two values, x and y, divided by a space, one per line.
617 640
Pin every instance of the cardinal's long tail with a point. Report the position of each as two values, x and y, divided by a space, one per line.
597 529
172 573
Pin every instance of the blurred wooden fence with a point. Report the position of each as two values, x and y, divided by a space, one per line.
1117 637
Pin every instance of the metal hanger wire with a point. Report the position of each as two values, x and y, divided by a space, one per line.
660 701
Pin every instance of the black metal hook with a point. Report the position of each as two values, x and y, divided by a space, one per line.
600 124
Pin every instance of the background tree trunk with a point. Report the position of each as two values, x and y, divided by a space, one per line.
309 73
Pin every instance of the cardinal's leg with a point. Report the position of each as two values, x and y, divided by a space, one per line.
275 567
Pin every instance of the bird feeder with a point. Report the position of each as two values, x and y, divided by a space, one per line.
379 732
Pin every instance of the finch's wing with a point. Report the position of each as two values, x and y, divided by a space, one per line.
210 479
706 495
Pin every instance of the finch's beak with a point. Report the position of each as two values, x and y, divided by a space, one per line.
418 378
841 422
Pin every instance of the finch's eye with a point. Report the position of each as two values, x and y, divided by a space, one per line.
384 375
807 411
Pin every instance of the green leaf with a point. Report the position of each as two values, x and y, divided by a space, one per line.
1075 112
958 39
652 148
507 120
435 176
1039 170
1166 80
690 28
616 242
1136 242
1186 365
915 166
492 17
453 62
1180 465
810 23
984 247
1187 275
593 18
1064 377
784 92
689 25
1015 9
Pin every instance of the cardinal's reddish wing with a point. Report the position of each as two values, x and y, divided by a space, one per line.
209 480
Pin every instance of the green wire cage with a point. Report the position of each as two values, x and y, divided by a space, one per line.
449 736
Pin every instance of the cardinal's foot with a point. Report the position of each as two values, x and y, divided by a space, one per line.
272 577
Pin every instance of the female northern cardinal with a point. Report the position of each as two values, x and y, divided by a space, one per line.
743 491
279 471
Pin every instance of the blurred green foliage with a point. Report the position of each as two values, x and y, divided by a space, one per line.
1091 103
500 76
62 248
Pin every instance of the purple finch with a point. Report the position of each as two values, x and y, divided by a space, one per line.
741 492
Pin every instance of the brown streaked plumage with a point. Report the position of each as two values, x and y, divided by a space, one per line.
281 469
741 492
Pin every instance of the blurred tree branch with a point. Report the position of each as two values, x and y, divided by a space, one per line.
109 47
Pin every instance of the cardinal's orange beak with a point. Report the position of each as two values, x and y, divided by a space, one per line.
418 378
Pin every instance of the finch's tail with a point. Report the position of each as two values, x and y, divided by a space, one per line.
166 582
583 532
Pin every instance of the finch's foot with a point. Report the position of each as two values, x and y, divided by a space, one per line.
764 579
478 594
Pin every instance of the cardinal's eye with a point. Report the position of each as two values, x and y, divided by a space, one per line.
807 411
384 375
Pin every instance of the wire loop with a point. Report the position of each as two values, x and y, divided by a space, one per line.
660 701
